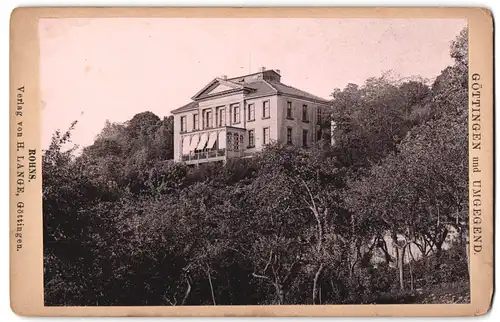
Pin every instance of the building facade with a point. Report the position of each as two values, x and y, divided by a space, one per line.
236 117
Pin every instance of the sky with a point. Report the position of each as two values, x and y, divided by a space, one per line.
99 69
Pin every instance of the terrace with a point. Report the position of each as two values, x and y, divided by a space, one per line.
215 144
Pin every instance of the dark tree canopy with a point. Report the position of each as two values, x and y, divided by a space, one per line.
379 217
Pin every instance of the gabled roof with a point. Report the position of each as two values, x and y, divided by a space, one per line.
252 87
188 107
261 88
295 92
215 82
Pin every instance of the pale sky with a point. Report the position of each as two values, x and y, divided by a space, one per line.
114 68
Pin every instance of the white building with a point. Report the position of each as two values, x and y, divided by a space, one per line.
235 117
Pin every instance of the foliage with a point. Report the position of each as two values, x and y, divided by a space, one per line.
379 217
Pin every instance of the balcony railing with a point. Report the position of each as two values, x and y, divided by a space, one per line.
209 145
204 156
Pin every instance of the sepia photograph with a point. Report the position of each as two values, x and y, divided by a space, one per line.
256 161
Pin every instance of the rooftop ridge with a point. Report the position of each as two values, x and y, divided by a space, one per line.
252 74
298 90
255 87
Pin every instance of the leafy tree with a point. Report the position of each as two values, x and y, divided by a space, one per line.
371 120
381 213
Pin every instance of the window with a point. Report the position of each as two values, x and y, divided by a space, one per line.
236 113
236 142
289 135
265 109
207 118
318 135
183 124
304 137
289 110
229 141
221 116
195 121
251 138
319 116
266 135
304 113
251 112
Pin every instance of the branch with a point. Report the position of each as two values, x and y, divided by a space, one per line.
260 276
290 271
388 257
170 302
411 253
268 262
188 290
320 228
310 193
420 247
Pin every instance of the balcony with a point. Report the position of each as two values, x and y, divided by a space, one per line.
210 145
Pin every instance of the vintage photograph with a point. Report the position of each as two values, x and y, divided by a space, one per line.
254 161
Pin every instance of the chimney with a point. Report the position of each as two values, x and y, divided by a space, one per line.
278 71
262 69
224 77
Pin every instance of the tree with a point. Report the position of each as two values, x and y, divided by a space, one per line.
372 119
383 210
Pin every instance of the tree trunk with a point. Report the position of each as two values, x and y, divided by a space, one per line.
315 283
439 243
401 260
188 290
464 242
211 286
409 266
439 252
279 293
467 248
349 265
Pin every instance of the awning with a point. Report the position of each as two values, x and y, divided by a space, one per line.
185 145
222 139
194 142
211 140
203 141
